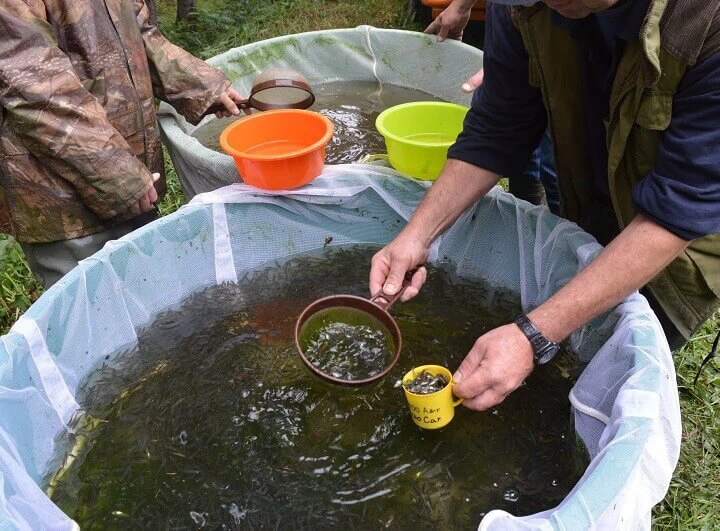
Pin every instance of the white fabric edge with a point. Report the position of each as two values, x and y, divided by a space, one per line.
104 259
54 385
32 494
582 408
224 261
368 42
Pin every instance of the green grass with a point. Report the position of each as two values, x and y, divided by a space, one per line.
691 502
220 25
18 288
174 197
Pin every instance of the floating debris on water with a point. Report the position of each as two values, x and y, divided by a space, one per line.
511 495
198 518
426 383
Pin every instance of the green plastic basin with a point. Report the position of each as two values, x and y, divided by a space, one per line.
419 134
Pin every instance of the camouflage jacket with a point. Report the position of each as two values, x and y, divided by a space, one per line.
78 131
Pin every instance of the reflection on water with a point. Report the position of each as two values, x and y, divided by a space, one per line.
352 107
214 421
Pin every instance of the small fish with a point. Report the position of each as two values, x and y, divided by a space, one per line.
426 383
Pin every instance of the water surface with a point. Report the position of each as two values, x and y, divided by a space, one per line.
352 107
214 422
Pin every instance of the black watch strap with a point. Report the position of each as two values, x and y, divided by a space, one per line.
544 350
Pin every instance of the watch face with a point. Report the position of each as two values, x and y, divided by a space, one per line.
547 353
544 350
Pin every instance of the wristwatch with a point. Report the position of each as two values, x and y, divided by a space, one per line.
545 350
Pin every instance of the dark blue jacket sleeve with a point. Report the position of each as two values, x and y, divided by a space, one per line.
507 118
682 192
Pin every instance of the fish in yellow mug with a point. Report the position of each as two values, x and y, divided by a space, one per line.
434 410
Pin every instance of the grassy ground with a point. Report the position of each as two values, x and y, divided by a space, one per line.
691 502
18 288
220 25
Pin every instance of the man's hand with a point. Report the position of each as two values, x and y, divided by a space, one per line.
147 202
498 364
230 98
391 263
458 187
452 20
474 81
503 358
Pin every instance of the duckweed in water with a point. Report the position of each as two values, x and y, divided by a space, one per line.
213 421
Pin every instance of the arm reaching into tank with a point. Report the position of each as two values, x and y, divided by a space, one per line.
187 83
460 185
501 359
629 262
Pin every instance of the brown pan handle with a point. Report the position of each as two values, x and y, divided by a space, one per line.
386 301
216 107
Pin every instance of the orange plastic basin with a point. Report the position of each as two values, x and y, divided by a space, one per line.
278 150
477 13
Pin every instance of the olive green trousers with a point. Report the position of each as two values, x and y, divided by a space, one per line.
49 262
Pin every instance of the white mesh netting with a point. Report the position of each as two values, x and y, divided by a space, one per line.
625 403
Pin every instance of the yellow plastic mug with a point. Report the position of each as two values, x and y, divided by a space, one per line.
437 409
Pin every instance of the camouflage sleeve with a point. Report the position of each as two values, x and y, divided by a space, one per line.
187 83
59 121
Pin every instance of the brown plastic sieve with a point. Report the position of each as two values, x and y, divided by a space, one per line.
275 89
377 307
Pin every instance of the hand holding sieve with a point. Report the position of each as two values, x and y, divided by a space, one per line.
275 89
377 306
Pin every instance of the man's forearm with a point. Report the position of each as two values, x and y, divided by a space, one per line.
187 83
459 186
631 260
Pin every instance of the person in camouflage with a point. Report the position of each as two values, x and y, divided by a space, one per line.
80 155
